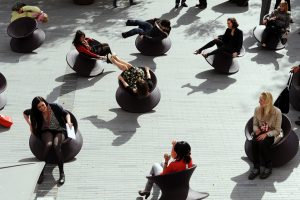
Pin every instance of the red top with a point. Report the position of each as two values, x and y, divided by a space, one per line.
85 50
177 166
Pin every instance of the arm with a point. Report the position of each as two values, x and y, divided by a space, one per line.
239 43
68 120
148 75
125 84
26 115
82 49
256 128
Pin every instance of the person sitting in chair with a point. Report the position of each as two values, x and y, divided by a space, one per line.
22 10
231 42
151 30
277 23
182 160
91 47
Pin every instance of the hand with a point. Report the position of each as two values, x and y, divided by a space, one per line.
257 132
174 142
261 137
295 69
272 18
70 124
235 54
167 157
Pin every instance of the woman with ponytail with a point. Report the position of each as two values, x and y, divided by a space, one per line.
266 127
181 153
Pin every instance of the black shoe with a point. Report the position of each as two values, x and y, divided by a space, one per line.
177 5
132 3
297 122
253 174
124 35
144 193
184 5
61 179
266 173
201 6
41 178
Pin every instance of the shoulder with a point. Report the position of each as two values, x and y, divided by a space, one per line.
27 112
256 110
239 31
277 111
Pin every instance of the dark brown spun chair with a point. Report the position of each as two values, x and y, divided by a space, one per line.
295 91
26 37
150 48
3 85
84 65
135 104
284 150
224 63
176 186
70 147
83 2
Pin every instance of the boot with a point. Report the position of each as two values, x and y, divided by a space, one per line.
125 35
130 23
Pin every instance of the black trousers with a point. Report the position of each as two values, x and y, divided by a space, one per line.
103 49
269 31
178 1
221 47
262 149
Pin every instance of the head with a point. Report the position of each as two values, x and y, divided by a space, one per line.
79 37
142 87
283 6
181 151
232 23
39 105
266 102
17 6
165 23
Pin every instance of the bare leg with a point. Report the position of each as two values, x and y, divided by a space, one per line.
122 65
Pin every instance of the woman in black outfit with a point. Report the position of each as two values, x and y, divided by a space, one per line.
231 42
48 122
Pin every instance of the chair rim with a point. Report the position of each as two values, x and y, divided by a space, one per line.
9 28
171 174
3 83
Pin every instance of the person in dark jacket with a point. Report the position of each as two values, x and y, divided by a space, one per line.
152 30
48 122
231 42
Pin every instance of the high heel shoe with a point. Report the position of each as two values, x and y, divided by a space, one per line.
61 179
144 193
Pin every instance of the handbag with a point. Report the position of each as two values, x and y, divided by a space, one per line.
6 121
283 101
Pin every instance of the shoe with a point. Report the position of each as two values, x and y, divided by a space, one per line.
41 178
124 35
297 122
61 179
197 52
253 174
266 173
184 5
177 5
144 193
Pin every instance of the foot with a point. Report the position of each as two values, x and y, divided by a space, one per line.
184 5
124 35
177 5
253 174
144 193
266 173
61 179
41 179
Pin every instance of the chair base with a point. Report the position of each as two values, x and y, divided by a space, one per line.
274 43
83 2
3 101
82 65
223 63
29 43
294 93
194 195
153 48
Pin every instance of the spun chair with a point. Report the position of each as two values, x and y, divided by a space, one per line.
26 36
224 63
83 2
84 65
295 91
153 48
3 85
136 104
176 186
282 151
70 147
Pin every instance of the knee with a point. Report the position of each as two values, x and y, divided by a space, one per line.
48 144
57 146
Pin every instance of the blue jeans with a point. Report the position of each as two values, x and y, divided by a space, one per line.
143 27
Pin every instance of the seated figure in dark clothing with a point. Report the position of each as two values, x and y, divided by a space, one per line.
231 42
152 30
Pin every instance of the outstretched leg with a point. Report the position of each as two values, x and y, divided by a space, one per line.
121 64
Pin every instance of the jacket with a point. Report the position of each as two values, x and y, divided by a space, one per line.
237 39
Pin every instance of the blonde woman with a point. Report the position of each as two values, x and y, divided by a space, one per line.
266 126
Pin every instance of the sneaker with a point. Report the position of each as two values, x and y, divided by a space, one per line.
253 174
177 5
184 5
266 173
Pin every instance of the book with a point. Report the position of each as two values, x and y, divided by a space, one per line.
71 132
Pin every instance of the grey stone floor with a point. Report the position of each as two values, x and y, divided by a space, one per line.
206 109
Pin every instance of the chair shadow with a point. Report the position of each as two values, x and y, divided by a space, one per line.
188 17
123 126
257 187
213 83
3 129
229 7
142 61
72 82
32 159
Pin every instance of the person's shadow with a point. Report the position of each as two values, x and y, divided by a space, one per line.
72 82
124 125
171 14
213 83
258 187
229 7
188 17
143 61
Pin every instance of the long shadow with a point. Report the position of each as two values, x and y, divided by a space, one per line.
123 126
73 80
213 82
171 14
257 188
229 8
293 44
3 130
188 17
142 61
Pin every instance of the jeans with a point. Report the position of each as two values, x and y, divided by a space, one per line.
262 149
143 27
157 169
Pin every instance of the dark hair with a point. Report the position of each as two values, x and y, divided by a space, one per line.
165 23
35 114
17 6
77 37
142 87
234 22
183 151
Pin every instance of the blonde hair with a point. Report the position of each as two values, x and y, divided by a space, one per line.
285 5
268 108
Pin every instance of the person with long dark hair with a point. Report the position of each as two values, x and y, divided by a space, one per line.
181 153
91 47
231 42
48 122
